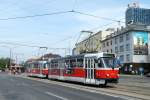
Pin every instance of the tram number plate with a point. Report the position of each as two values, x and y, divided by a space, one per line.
102 82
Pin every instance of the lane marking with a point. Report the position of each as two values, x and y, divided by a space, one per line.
126 97
54 95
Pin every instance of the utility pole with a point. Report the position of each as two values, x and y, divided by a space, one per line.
42 53
88 41
10 57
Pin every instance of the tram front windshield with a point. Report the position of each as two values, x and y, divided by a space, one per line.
107 62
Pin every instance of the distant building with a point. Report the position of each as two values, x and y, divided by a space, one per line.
137 15
131 45
92 43
45 57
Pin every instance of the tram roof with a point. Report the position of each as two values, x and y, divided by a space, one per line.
97 55
100 54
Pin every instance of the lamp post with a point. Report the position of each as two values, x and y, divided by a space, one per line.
88 40
42 53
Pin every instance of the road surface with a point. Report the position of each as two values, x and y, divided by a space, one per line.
17 88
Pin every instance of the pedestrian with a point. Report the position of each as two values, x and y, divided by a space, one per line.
141 70
14 71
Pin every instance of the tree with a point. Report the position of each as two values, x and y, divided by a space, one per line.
4 62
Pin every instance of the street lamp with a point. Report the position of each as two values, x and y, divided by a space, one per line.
88 40
42 53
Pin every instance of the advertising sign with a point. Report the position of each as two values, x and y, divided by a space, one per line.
140 43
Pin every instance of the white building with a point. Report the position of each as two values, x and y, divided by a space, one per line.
131 45
92 43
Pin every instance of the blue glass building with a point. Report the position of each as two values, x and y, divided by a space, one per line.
136 15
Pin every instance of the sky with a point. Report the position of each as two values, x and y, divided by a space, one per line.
54 31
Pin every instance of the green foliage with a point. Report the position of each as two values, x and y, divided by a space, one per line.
4 62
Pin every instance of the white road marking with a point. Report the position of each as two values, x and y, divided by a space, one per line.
126 97
54 95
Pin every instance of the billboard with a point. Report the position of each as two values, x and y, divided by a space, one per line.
140 43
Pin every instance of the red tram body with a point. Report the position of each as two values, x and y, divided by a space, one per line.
37 69
97 69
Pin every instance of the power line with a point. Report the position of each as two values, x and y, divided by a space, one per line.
60 12
37 15
99 17
25 45
19 44
102 26
95 29
105 25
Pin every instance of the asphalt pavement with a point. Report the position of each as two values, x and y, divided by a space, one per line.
17 88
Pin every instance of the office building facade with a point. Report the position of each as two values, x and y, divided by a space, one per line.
137 15
131 45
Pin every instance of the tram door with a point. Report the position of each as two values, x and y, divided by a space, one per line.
90 70
40 65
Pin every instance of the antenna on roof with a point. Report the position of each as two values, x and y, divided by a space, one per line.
134 4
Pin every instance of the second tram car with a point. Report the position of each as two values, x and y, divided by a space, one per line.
97 69
38 69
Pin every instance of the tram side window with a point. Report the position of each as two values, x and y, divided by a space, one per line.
35 65
61 64
100 65
52 64
67 63
79 62
39 65
73 63
45 65
56 65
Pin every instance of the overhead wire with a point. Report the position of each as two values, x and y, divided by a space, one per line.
95 29
19 44
104 25
95 16
37 15
26 45
62 12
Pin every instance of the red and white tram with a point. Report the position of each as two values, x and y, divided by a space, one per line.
37 69
98 68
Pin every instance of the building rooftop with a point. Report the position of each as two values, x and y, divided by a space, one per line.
126 29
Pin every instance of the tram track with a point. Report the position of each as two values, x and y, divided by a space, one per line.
131 89
116 90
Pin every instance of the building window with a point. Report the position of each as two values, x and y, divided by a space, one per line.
104 44
116 39
122 58
127 36
127 47
116 49
121 38
128 57
111 51
121 48
107 50
107 43
111 42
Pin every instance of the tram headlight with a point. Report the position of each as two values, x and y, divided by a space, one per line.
107 75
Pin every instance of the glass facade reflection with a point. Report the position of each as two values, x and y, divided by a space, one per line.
137 16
